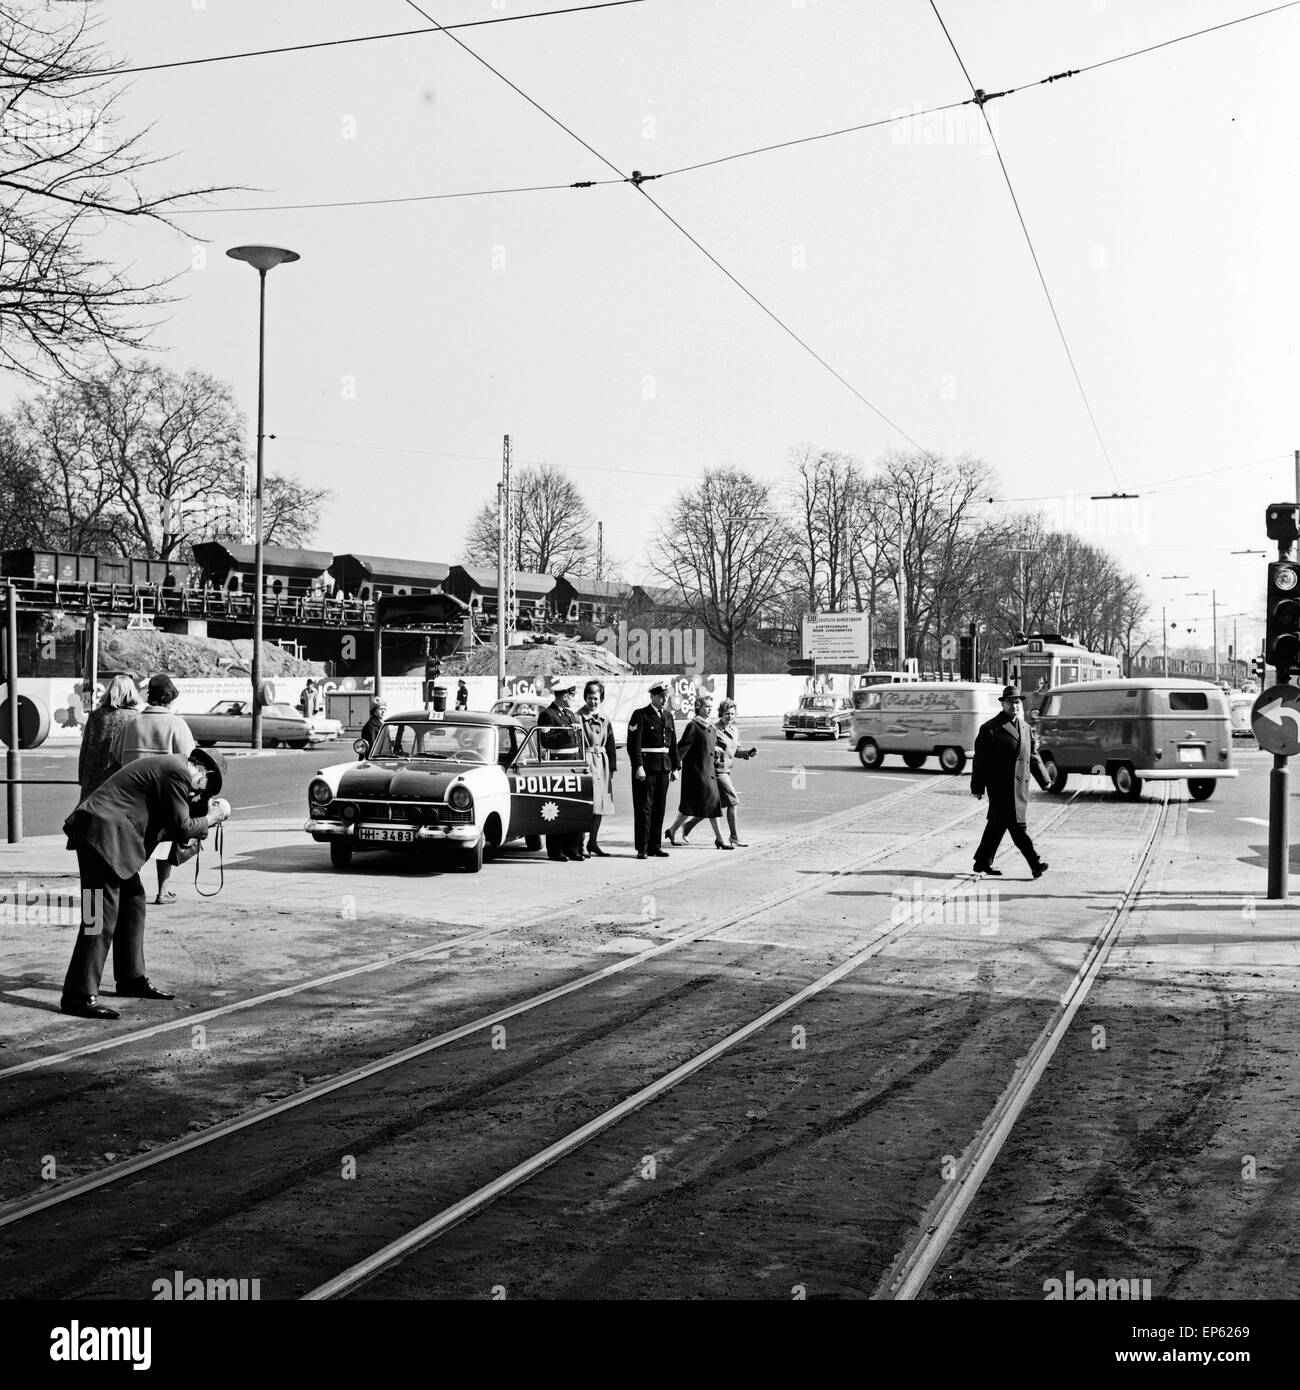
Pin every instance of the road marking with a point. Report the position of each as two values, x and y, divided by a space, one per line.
786 771
1252 820
1200 811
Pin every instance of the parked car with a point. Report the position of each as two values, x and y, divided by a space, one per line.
1135 731
820 716
920 720
524 708
472 782
231 721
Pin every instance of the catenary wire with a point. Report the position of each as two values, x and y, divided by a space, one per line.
1029 241
336 43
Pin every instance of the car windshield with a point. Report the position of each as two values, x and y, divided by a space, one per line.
461 743
819 702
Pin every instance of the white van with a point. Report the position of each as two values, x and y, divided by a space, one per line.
921 719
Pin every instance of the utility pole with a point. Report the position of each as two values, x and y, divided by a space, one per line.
1164 638
600 550
1024 552
503 564
902 604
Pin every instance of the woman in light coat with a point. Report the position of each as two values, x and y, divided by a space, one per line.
728 749
603 759
117 707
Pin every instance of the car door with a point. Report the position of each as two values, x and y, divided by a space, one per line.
549 795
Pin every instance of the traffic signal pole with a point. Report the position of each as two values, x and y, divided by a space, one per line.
1282 650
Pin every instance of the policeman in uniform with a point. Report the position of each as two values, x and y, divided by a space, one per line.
652 751
558 736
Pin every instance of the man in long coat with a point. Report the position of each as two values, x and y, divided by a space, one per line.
652 752
114 831
1006 756
558 736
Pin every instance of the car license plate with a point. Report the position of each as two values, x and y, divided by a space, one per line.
1191 753
382 832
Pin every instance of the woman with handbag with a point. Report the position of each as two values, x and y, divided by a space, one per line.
603 760
727 733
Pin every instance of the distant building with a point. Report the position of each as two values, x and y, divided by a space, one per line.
652 598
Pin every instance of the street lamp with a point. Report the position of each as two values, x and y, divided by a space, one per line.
262 259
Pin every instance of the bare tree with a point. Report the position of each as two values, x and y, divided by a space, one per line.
824 494
551 525
724 547
67 170
143 461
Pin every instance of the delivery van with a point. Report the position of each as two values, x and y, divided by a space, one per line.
1135 731
920 720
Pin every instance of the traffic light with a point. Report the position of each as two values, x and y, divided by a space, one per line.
1282 632
1257 665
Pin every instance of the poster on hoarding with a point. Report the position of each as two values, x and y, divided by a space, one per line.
838 638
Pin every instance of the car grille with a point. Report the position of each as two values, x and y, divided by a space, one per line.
435 813
810 721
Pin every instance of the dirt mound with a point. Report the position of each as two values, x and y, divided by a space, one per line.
540 659
146 652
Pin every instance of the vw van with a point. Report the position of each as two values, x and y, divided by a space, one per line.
920 720
1139 730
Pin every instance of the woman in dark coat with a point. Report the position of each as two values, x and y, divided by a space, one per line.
370 729
700 800
96 764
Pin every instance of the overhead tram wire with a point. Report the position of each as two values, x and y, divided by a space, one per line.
980 98
636 180
338 43
680 169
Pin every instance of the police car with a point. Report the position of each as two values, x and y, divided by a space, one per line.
472 782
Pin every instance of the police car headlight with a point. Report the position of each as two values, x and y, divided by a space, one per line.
460 798
319 791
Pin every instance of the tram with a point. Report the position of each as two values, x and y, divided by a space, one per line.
1045 659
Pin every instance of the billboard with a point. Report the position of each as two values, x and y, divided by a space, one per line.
838 639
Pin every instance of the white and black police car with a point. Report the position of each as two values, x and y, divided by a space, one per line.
469 781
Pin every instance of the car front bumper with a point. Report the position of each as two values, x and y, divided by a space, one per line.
325 830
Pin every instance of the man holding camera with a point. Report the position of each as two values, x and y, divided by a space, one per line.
114 831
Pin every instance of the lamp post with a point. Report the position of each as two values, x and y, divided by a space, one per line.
1164 628
262 259
1214 625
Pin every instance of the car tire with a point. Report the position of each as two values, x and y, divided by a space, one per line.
1201 788
270 743
491 839
532 842
952 760
914 760
789 735
1056 779
341 853
1127 783
869 754
471 859
303 744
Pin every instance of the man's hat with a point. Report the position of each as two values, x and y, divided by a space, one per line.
562 684
659 685
215 762
1012 692
161 688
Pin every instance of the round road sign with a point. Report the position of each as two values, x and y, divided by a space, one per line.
1275 718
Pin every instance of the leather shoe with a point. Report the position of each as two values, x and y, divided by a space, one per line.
640 854
141 989
988 869
668 835
660 854
576 856
86 1008
1039 869
597 851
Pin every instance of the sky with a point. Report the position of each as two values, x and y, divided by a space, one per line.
1159 193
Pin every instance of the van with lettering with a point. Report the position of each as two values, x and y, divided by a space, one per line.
919 720
1152 729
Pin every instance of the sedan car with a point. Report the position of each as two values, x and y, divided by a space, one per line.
472 782
231 721
820 716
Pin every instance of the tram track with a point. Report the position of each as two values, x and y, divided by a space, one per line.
523 921
116 1171
459 1211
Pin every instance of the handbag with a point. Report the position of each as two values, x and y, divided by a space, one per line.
183 851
